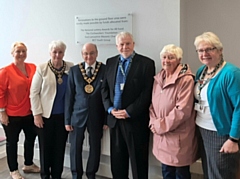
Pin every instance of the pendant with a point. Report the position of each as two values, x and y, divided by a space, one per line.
60 80
200 82
198 92
88 88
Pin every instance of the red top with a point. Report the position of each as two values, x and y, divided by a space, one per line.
15 89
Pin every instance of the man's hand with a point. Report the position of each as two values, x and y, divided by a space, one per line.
105 127
68 128
119 114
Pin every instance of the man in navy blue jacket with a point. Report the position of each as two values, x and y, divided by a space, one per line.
126 93
84 109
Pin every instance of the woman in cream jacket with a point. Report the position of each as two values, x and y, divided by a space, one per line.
47 96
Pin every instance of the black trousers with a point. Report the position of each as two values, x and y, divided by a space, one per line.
126 144
12 131
76 140
52 140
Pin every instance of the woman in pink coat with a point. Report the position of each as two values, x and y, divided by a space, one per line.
172 115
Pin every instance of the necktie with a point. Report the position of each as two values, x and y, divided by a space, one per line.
89 73
118 91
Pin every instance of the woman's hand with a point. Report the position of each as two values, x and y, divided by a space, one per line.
229 147
152 128
4 118
38 121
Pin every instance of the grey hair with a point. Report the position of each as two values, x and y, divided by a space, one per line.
173 49
57 44
122 35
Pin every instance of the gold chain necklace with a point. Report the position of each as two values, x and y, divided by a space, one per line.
58 73
89 88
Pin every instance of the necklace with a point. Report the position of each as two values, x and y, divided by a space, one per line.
89 88
202 82
58 73
215 69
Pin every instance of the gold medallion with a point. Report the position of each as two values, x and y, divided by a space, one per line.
88 88
58 73
59 80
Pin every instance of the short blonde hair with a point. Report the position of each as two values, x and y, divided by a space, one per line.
210 38
172 49
57 44
15 44
122 35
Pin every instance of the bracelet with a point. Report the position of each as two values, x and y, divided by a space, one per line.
233 140
2 109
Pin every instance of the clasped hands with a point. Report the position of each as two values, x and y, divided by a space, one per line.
119 114
152 128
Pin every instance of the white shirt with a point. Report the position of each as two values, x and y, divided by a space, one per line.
204 118
93 66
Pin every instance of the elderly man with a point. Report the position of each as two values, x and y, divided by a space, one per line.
84 109
126 96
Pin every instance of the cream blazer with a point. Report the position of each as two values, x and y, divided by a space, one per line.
43 89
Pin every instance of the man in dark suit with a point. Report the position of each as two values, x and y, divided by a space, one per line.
126 93
84 109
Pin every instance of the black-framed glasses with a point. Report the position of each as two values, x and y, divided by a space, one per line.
207 50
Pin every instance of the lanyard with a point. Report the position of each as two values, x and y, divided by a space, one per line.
128 67
202 82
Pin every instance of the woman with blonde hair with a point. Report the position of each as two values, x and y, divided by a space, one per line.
15 110
218 108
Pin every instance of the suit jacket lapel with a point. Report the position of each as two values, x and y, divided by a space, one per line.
113 70
132 69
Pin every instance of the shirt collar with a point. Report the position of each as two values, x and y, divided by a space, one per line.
128 58
93 66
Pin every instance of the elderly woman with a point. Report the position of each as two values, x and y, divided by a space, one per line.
47 99
217 93
15 112
172 115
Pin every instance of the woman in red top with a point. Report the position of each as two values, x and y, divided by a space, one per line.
15 112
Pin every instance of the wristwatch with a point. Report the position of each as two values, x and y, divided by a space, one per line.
233 139
2 109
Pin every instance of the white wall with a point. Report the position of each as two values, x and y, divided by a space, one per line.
36 23
155 24
218 16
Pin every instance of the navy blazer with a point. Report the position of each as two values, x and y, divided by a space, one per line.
81 106
137 92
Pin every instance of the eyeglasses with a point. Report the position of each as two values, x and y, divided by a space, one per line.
207 50
90 54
